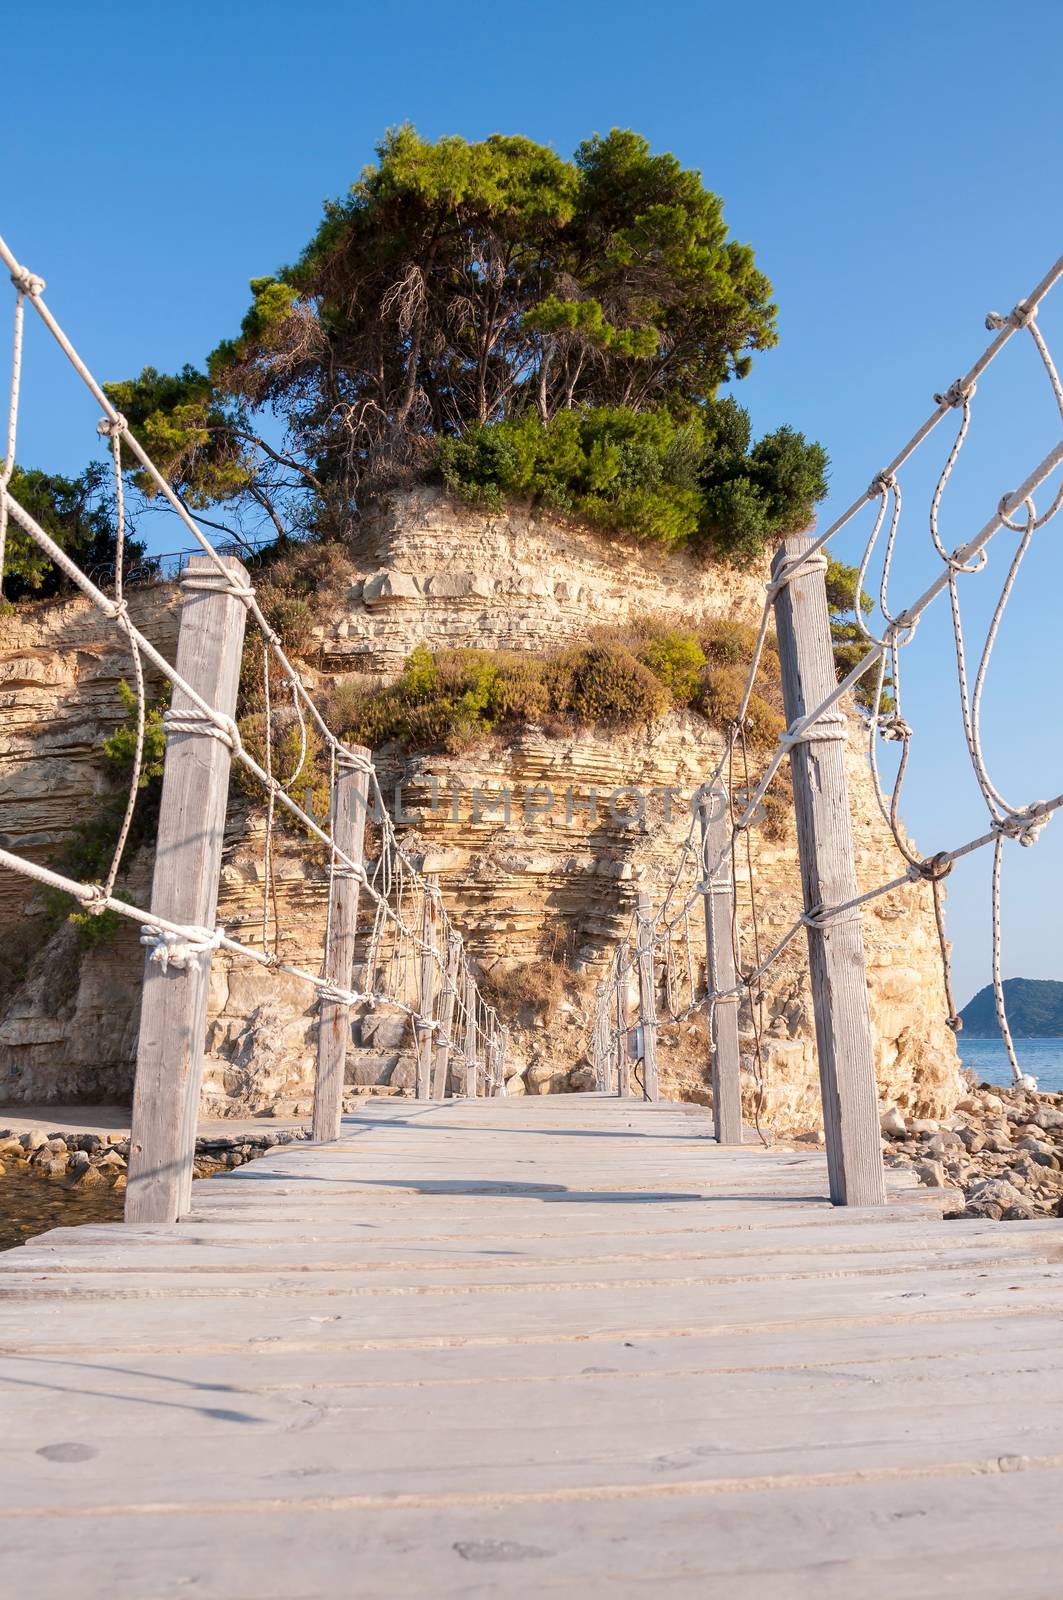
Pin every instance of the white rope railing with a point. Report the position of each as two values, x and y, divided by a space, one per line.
1016 511
391 882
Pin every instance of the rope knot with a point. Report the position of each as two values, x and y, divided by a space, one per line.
27 282
180 950
1019 316
95 900
112 427
1026 826
893 726
881 483
957 393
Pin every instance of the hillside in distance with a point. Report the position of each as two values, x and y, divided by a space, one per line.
1034 1006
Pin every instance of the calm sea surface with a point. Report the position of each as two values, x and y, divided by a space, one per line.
1042 1058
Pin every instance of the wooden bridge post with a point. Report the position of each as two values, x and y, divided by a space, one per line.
828 876
623 1058
443 1050
718 883
600 1041
195 786
423 1028
350 801
647 996
472 1065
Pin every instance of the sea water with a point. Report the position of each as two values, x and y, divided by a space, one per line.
1041 1058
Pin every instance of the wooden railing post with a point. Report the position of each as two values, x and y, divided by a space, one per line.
446 1019
647 996
472 1065
423 1028
623 1037
599 1040
349 804
828 877
195 786
718 883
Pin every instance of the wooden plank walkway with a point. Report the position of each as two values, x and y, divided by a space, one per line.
554 1346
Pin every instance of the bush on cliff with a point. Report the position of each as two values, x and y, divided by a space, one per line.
454 700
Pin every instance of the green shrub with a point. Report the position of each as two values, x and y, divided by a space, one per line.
676 659
719 700
310 789
672 483
605 684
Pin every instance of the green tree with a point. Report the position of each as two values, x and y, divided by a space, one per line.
463 286
850 644
78 513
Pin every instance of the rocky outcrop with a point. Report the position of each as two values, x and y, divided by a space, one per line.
556 867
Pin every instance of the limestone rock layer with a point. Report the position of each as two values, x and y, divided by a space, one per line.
539 843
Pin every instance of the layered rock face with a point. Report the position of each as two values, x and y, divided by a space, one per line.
539 845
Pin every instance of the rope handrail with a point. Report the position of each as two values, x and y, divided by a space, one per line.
1015 511
391 884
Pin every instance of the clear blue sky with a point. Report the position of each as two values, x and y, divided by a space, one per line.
897 170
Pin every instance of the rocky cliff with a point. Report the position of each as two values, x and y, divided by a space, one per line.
534 840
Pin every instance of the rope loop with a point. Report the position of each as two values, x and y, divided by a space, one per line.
881 484
27 282
932 869
112 427
1016 527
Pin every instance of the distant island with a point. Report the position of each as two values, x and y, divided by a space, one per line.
1034 1005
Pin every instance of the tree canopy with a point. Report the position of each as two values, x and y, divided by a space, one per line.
78 513
464 287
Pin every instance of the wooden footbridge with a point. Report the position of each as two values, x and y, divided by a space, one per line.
555 1346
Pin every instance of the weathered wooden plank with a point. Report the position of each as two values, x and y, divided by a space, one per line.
560 1327
980 1534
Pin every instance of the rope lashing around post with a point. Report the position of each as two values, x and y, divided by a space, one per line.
193 719
228 584
832 727
345 872
823 918
802 566
179 950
